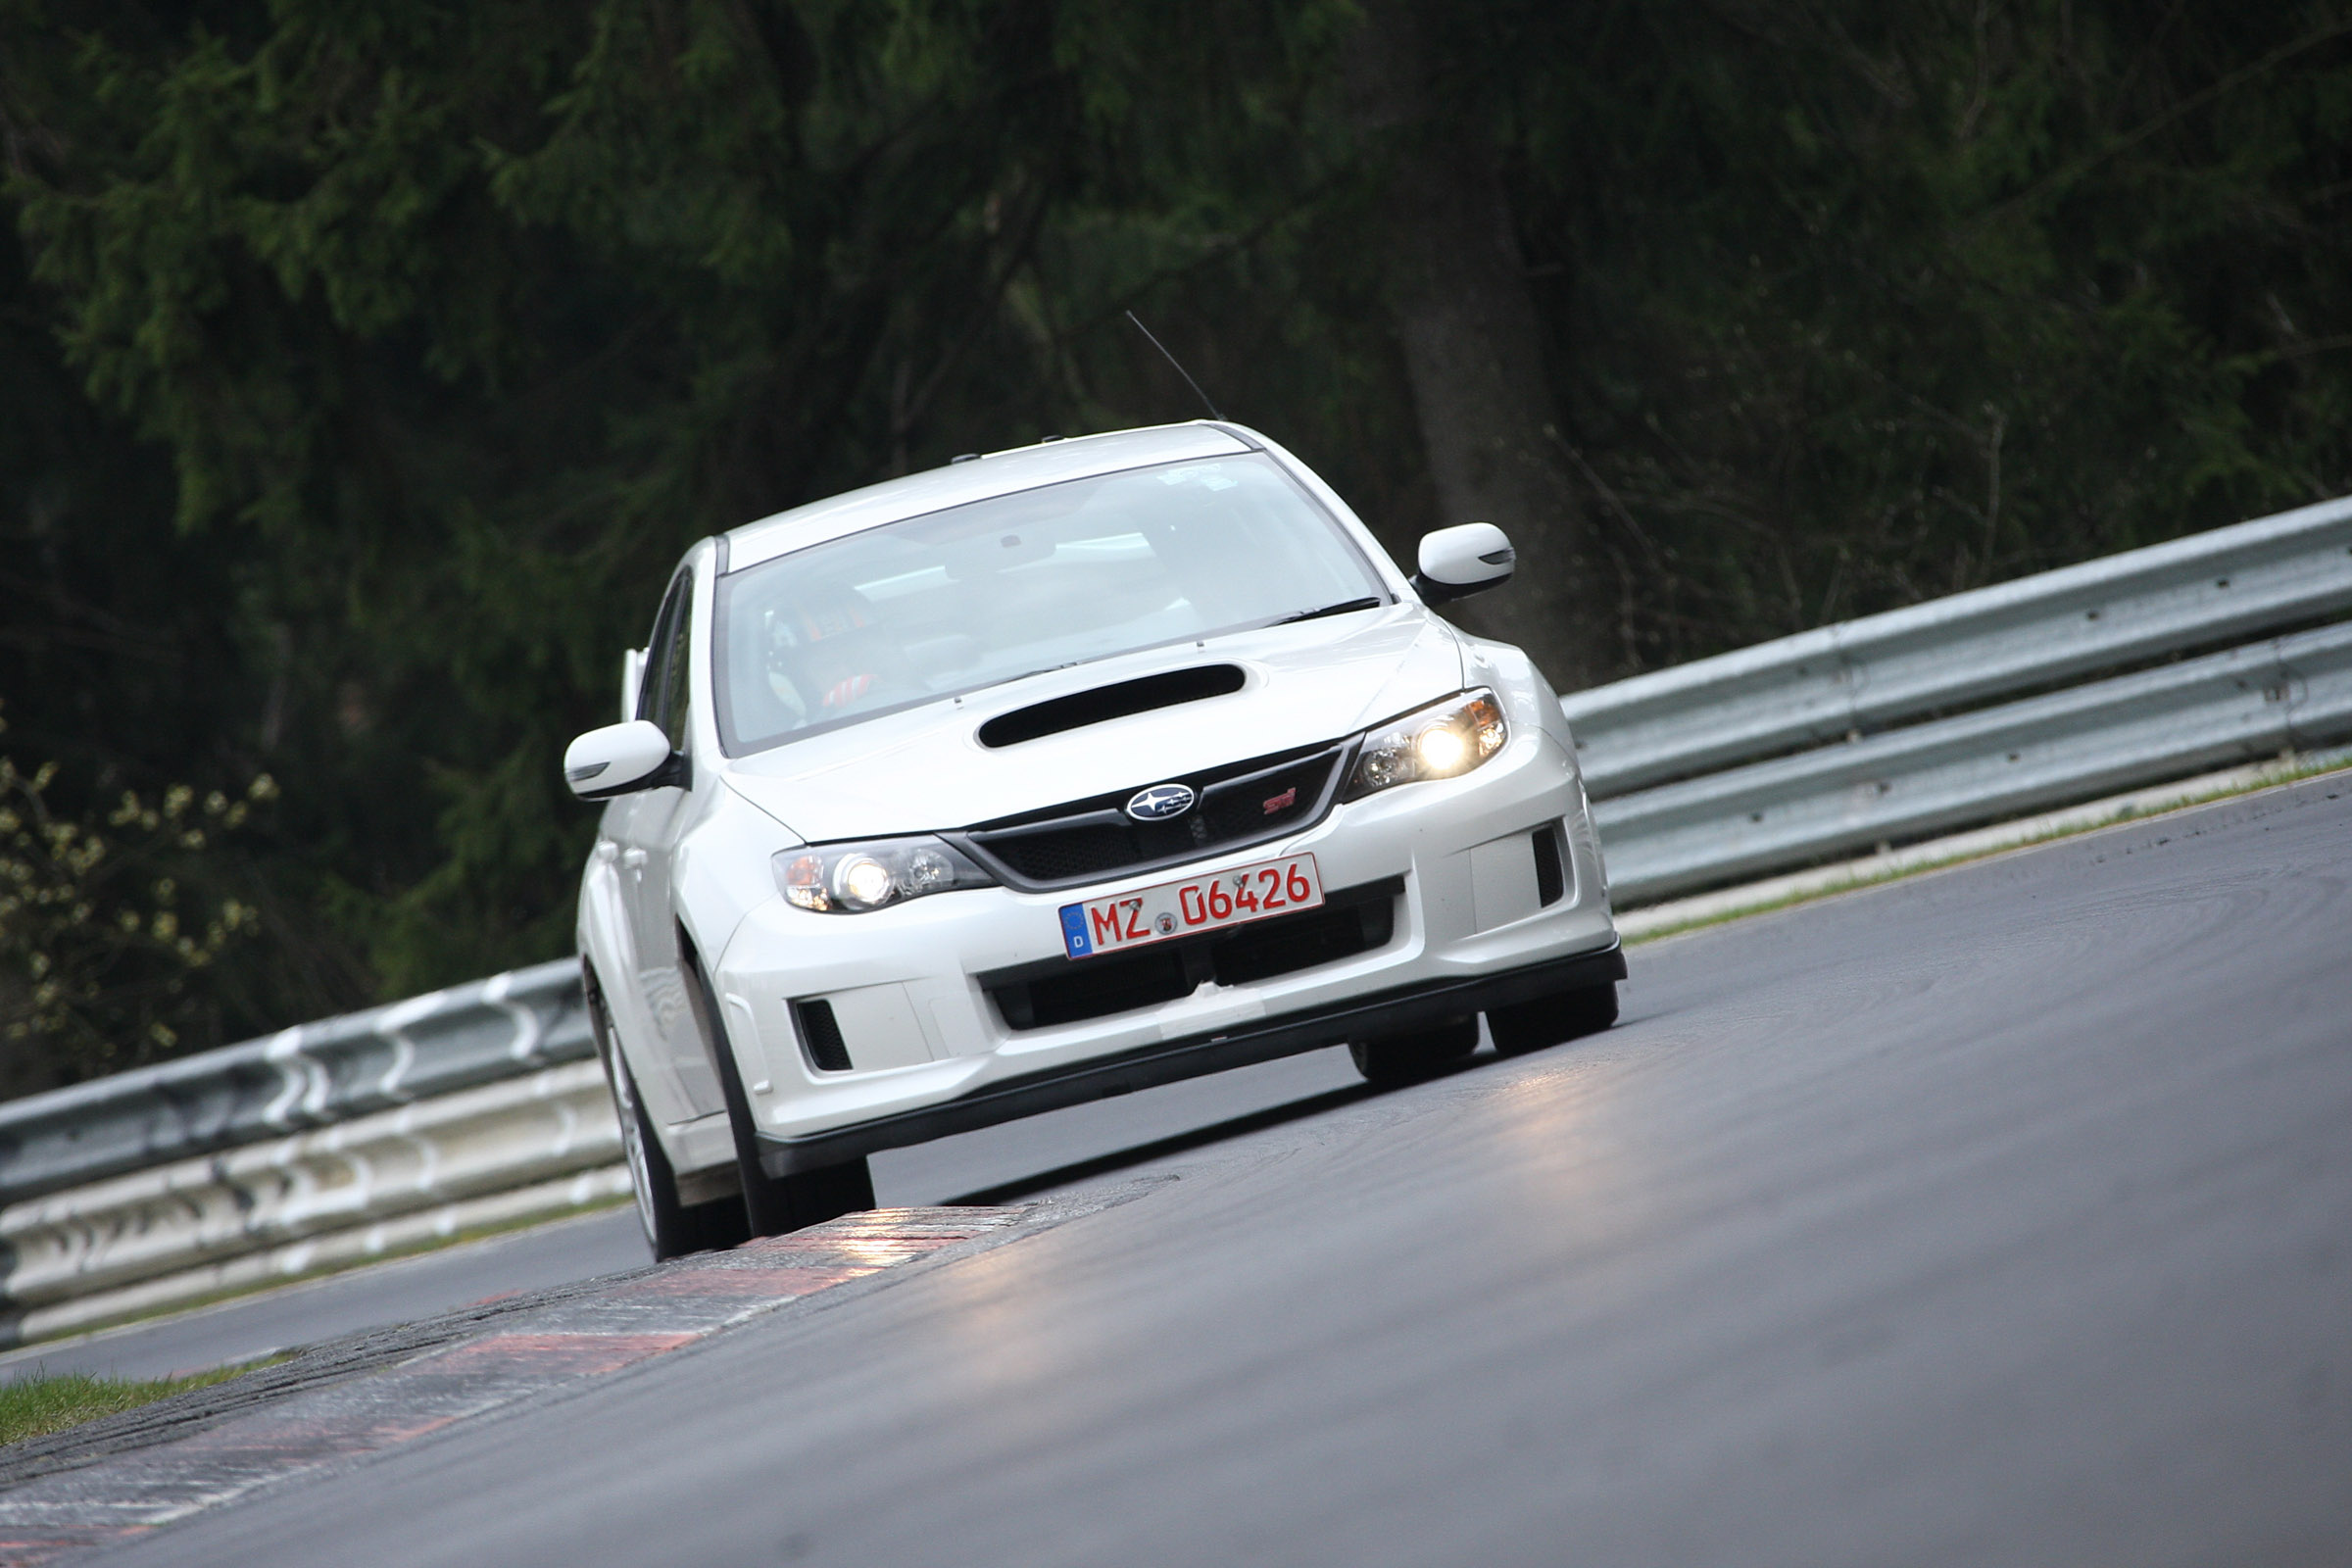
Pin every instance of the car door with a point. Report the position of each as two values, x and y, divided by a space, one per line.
647 839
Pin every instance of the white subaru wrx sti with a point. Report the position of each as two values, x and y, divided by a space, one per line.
1053 775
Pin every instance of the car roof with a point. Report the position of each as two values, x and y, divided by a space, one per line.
998 474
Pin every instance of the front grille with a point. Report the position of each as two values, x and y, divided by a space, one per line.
1085 841
1093 988
1037 996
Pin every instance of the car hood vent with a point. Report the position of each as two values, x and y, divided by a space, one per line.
1105 703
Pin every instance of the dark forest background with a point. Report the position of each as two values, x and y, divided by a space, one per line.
364 367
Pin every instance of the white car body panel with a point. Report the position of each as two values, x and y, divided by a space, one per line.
901 980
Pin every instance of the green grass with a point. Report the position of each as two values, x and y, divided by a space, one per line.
2284 773
34 1406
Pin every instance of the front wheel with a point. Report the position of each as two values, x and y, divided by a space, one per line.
1417 1053
673 1229
772 1206
1549 1020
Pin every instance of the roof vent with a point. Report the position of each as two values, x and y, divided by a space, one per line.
1106 703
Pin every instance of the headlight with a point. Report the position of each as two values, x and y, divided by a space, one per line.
852 878
1451 738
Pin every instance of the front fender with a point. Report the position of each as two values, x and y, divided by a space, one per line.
720 872
603 934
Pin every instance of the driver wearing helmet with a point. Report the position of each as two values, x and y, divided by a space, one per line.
828 655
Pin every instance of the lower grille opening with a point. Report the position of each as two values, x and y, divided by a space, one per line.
1302 940
820 1034
1551 877
1095 987
1353 921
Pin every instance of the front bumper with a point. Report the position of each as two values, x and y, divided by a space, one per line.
1391 1012
919 994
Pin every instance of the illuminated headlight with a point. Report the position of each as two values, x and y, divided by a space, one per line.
1442 741
852 878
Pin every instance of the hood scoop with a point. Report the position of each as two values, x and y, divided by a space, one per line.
1106 703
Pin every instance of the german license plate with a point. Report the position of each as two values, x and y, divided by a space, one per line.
1151 915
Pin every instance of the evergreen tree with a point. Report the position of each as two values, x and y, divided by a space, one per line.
363 370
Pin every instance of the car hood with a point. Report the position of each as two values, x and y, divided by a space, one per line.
924 768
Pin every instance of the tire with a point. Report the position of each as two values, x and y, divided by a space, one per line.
772 1206
671 1229
1549 1020
1420 1053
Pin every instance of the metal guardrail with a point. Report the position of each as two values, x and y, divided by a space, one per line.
1820 686
162 1235
147 1186
1796 751
2288 693
312 1075
139 1188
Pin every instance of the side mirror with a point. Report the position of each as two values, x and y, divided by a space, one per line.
1456 563
632 681
621 758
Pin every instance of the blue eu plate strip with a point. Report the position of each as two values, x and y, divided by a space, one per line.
1073 930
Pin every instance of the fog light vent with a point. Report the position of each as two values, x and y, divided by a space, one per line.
1551 878
820 1034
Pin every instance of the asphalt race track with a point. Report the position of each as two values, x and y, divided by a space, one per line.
1997 1216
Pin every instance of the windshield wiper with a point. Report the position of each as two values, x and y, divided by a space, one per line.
1339 609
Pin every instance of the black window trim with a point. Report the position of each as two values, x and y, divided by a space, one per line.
650 683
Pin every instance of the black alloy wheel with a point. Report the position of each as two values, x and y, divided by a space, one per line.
1402 1058
1549 1020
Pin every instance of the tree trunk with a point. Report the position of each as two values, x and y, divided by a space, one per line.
1473 350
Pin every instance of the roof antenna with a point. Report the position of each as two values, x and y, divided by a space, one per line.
1180 370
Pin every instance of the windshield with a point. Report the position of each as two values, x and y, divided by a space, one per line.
956 600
